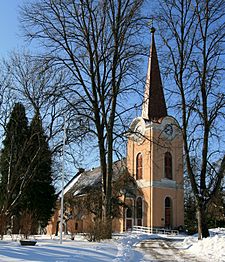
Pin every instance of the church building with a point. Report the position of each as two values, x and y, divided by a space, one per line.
154 160
155 157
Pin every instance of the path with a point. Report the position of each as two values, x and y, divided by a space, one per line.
164 249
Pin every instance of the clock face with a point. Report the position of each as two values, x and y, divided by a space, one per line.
138 133
168 130
137 130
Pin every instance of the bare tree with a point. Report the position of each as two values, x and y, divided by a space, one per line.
35 84
7 97
193 32
96 42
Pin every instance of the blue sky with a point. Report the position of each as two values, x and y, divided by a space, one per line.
9 26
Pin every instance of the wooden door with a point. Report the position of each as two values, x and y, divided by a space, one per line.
128 224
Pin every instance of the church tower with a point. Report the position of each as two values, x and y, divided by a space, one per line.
154 157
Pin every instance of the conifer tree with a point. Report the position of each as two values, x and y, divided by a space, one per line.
39 198
13 161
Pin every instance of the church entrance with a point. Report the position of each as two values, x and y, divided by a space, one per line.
129 217
129 224
168 213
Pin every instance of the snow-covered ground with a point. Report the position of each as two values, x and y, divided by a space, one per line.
123 247
211 248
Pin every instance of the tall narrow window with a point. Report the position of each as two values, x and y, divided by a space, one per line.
168 165
129 214
139 166
139 211
168 212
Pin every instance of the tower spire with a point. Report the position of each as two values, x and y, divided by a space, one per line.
154 105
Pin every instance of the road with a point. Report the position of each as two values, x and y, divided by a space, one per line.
164 249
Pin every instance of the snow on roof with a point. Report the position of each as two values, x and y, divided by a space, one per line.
91 178
87 179
72 182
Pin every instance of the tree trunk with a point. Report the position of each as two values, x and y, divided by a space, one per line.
57 228
199 224
3 224
203 230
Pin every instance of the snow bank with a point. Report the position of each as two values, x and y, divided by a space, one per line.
125 244
208 249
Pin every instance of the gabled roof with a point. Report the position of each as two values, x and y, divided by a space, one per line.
154 105
91 178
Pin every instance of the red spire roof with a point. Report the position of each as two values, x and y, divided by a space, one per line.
154 105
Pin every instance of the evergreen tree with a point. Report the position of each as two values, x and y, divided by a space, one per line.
13 160
39 197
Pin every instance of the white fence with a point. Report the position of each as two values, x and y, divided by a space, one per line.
152 230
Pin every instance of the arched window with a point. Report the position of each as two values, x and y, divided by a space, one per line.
139 166
139 211
168 165
168 213
129 212
167 202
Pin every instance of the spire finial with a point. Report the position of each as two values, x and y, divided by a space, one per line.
151 25
154 106
152 30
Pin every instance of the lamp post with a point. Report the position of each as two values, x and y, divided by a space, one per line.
63 171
